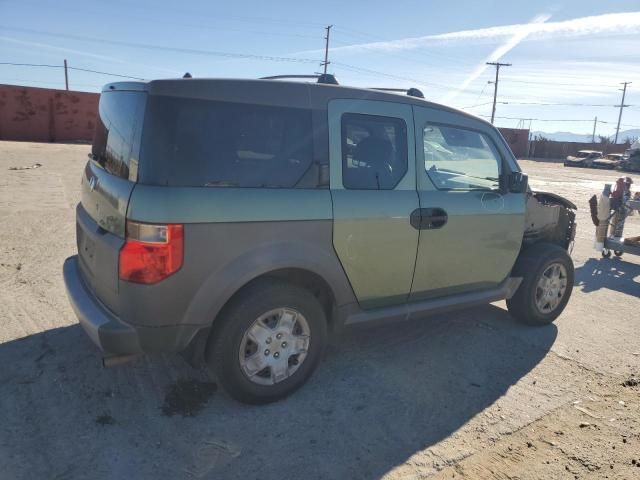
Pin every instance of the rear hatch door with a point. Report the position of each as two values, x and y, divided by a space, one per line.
107 182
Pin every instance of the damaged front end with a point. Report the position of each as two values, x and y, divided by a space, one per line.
550 218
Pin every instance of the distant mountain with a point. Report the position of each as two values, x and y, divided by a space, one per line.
576 137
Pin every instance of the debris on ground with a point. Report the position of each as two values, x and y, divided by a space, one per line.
631 382
187 397
105 419
31 167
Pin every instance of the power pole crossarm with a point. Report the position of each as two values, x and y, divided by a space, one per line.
495 86
326 49
622 105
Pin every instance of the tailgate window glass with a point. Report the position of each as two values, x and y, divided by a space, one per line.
116 140
190 142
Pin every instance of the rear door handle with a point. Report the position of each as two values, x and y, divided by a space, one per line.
428 218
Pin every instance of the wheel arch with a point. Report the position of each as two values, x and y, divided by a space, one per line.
303 264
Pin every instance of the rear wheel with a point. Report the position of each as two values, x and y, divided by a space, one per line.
268 342
547 281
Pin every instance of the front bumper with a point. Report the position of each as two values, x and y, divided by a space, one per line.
112 335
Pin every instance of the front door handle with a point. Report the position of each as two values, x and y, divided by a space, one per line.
428 218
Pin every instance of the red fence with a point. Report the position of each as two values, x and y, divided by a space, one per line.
518 140
46 115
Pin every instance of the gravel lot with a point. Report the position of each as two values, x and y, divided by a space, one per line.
466 395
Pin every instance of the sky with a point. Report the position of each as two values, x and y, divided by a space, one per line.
568 57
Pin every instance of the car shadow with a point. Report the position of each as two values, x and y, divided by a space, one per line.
612 274
381 395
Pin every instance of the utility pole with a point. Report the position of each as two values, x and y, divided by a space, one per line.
495 85
593 135
66 75
622 105
326 49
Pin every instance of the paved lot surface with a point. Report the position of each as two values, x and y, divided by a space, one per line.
466 395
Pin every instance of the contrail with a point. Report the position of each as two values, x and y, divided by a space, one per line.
610 23
510 44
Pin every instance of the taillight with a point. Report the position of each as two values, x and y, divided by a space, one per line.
151 252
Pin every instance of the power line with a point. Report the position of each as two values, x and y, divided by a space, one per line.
547 104
477 105
531 82
70 68
147 46
544 119
414 81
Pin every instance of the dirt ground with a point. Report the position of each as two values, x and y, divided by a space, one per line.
467 395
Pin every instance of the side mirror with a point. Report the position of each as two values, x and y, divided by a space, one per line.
517 182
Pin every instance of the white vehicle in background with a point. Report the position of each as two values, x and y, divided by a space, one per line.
584 158
610 161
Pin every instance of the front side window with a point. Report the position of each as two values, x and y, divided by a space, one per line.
374 151
460 159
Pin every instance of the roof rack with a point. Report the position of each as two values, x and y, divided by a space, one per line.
412 92
322 78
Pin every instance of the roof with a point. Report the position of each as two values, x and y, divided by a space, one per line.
271 92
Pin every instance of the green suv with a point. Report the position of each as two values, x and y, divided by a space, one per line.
242 222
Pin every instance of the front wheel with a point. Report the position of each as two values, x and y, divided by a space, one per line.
547 281
268 341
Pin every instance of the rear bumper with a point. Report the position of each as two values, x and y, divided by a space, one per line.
112 335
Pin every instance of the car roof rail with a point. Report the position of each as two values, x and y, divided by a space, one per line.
325 78
412 92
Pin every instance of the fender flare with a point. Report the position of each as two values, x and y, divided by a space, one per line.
222 284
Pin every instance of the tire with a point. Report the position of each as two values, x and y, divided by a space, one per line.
606 253
618 253
267 305
533 262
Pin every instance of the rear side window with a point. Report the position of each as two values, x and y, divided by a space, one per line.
117 136
374 151
190 142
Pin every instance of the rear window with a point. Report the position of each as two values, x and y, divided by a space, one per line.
117 135
190 142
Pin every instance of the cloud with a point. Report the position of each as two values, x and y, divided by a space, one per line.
611 23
